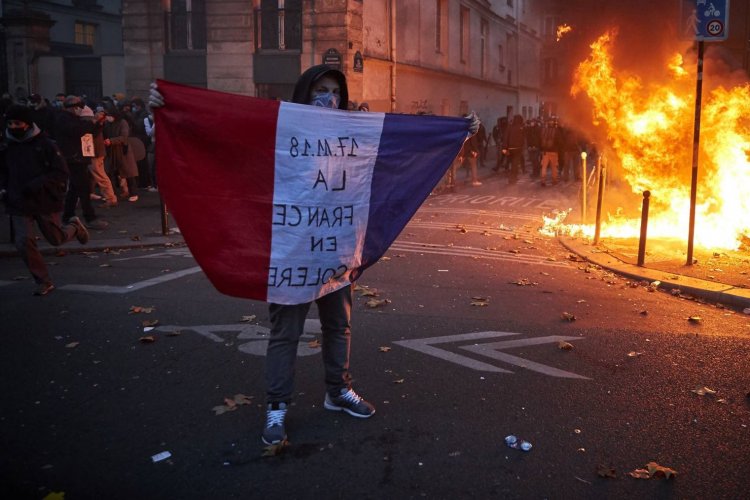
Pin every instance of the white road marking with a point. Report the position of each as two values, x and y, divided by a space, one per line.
430 248
490 350
133 286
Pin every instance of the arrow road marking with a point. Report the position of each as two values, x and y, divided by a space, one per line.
258 336
490 350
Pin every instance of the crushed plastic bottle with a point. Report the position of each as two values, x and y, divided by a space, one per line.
517 444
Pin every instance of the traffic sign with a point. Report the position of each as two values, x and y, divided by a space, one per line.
707 20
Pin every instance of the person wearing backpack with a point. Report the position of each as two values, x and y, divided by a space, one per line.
33 182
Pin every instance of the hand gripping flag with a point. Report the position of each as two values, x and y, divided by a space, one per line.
284 202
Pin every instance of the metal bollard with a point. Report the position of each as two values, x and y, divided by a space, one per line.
584 186
644 227
600 196
164 217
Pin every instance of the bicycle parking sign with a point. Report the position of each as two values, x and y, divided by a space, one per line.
706 20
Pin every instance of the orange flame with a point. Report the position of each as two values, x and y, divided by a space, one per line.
650 130
562 30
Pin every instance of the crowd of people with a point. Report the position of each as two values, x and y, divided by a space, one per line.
68 154
541 147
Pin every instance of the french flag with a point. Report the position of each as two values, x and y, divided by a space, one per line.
284 202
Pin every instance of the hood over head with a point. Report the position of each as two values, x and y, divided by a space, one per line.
313 74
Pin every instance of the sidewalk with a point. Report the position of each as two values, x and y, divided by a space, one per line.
131 225
722 278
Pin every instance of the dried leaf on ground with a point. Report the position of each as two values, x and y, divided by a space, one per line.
524 282
141 309
247 319
71 345
275 449
644 313
220 410
147 339
314 344
241 399
150 322
565 346
639 474
373 303
633 354
369 293
231 404
695 319
606 471
704 391
566 316
659 471
384 259
514 251
399 381
480 303
384 348
135 238
174 333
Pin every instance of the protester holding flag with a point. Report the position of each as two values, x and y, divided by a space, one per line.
338 187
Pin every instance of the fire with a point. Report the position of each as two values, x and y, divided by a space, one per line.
650 130
562 30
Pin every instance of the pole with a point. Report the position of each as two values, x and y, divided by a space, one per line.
644 228
164 217
696 150
599 198
584 187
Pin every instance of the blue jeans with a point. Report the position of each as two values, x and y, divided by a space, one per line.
287 326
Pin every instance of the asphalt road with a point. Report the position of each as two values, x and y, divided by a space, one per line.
86 404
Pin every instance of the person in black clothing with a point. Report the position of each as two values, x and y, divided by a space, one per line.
69 129
139 113
42 113
513 147
498 134
33 179
534 146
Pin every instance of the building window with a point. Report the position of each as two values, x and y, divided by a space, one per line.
501 57
278 25
85 33
550 27
186 24
465 34
441 25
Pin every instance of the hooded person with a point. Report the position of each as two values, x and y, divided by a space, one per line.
325 87
33 181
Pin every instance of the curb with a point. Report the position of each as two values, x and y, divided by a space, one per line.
729 295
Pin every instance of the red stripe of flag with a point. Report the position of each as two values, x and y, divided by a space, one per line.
215 156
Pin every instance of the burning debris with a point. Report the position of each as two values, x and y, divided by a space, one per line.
563 30
649 127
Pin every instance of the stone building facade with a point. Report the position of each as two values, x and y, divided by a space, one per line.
413 56
69 46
